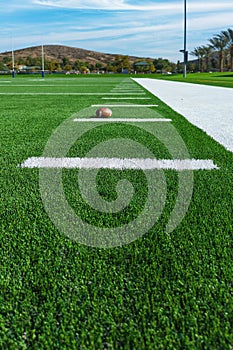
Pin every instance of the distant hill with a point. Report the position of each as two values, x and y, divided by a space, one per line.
58 52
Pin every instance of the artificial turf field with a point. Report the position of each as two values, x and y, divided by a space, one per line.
224 79
165 290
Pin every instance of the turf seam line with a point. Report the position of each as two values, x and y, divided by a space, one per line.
69 93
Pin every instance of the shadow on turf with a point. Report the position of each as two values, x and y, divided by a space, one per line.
224 76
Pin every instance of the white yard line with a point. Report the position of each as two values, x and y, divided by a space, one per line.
208 107
125 87
122 120
119 163
126 98
128 106
123 91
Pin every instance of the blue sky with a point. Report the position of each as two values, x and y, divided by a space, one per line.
145 28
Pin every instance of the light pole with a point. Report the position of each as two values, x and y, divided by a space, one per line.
42 60
13 61
185 52
185 40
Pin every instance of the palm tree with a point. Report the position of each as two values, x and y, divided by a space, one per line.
219 42
228 34
196 53
207 51
199 53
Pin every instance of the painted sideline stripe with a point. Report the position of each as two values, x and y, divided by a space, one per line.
119 163
132 105
122 120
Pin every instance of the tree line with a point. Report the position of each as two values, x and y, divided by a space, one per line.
217 55
121 63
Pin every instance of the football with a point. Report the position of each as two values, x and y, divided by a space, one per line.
103 112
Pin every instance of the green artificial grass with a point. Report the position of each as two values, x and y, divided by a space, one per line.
162 291
223 79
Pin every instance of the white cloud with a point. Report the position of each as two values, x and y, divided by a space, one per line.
108 5
117 5
15 5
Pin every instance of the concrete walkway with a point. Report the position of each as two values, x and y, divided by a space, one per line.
210 108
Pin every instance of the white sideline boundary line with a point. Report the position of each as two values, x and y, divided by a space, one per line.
118 163
207 107
130 106
122 120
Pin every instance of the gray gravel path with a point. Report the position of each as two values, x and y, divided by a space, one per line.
208 107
